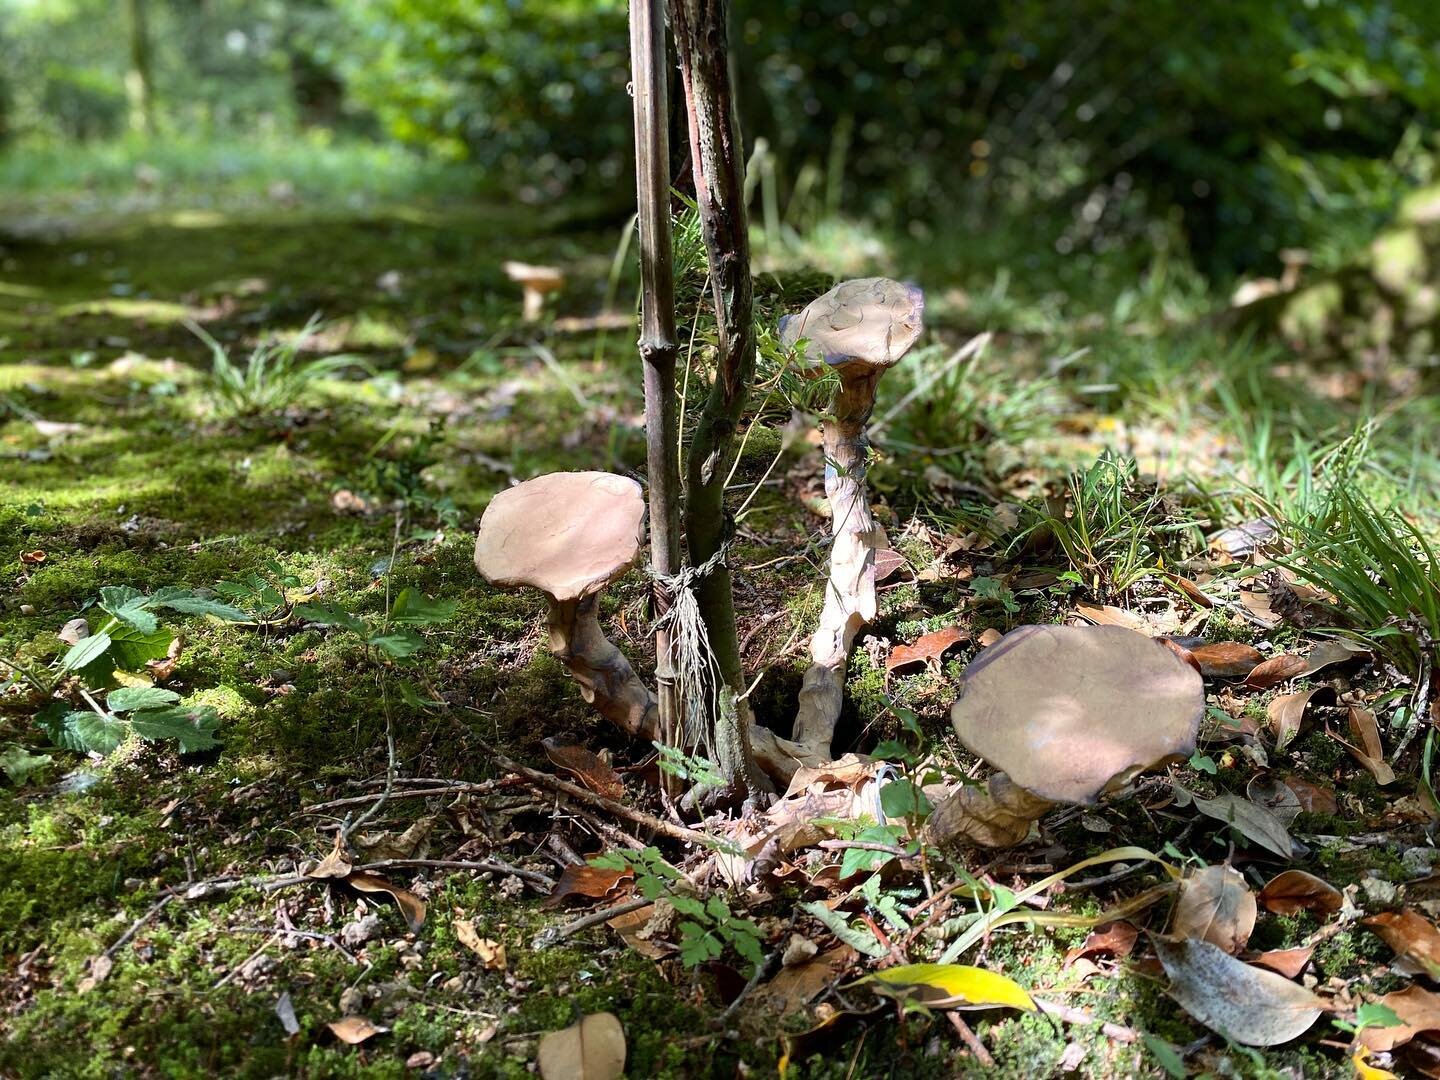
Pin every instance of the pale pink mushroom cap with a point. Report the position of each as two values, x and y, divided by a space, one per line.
870 321
1069 712
567 534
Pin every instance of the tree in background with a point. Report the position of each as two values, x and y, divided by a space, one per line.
139 79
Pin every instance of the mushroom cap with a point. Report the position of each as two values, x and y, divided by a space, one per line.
539 278
567 534
1069 712
869 321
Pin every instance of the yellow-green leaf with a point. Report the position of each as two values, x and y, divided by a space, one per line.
955 986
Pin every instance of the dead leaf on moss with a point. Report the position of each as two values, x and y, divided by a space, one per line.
631 927
1248 1004
491 953
97 970
1215 905
1115 939
1335 651
1286 713
927 649
1314 798
1287 962
591 881
592 1048
1226 659
410 905
1276 670
354 1030
587 766
1295 890
1419 1011
793 987
1414 939
334 865
1365 730
74 631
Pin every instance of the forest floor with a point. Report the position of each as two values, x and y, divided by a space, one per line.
121 466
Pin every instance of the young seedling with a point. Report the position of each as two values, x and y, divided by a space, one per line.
569 535
1068 714
859 329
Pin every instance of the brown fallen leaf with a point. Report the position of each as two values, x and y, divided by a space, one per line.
1294 890
1413 937
1115 939
334 865
162 669
1180 651
491 953
989 636
1248 1004
1191 591
1419 1011
592 1048
1365 730
1242 541
355 1029
1314 798
927 649
1226 659
1257 606
1264 790
631 927
888 563
1215 905
1334 651
1276 670
97 970
587 880
74 631
587 766
1286 713
33 558
1107 615
410 905
1288 962
794 987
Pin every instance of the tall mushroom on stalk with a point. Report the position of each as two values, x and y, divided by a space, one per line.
859 329
1067 714
537 282
569 535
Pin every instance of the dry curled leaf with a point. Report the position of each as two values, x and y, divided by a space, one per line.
1215 905
634 929
1250 820
587 880
1115 939
1287 962
1226 659
1365 730
1334 651
927 649
355 1029
1287 713
888 563
1419 1011
1413 937
410 905
1276 670
1108 615
1245 1003
587 766
1295 890
74 631
592 1048
794 986
1314 798
491 953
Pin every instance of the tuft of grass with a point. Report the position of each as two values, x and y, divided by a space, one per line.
272 377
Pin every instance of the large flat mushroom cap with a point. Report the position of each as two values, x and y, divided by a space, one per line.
541 278
1071 711
567 534
871 321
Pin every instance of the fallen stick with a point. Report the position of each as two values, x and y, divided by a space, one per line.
579 794
458 788
552 935
492 866
1079 1016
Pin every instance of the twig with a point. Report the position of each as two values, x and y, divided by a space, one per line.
970 1039
866 845
493 866
328 939
274 934
555 934
150 913
411 793
639 817
1079 1016
761 970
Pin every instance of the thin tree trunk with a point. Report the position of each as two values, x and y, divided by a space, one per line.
657 320
139 86
716 159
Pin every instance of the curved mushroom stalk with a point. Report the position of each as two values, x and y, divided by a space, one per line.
606 678
1068 714
998 815
860 328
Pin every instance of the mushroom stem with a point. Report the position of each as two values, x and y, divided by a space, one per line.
995 816
605 676
850 590
533 304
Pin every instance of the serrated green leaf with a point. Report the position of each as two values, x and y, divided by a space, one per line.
193 728
130 607
412 608
96 733
952 986
183 600
860 860
399 643
130 650
688 905
130 698
329 616
85 652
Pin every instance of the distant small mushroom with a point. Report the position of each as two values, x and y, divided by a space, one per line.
537 283
569 535
860 329
1068 714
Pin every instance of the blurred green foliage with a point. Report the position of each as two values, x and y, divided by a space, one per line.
1231 129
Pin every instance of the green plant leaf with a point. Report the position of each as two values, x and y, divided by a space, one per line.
96 733
902 799
399 644
129 606
183 600
1168 1057
951 986
862 941
130 650
192 728
85 652
412 608
329 616
130 698
19 764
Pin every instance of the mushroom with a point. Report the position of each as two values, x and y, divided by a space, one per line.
859 328
538 282
569 535
1067 713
